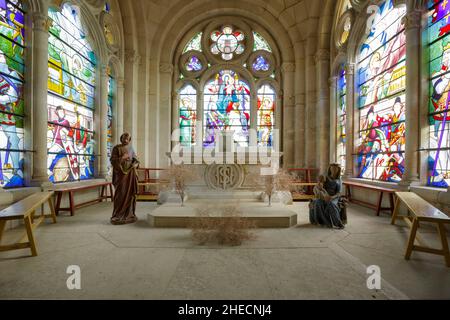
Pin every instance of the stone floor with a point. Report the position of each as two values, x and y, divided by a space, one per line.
138 262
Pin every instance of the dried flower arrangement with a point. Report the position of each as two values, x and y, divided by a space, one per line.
181 175
279 181
227 228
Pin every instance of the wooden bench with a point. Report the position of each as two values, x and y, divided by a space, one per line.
422 211
146 181
381 190
302 195
304 180
25 210
71 190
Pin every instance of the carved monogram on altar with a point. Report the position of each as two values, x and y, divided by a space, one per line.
224 177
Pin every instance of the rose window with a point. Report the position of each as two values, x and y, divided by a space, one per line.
227 43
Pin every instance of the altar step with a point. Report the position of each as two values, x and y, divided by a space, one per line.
247 196
175 216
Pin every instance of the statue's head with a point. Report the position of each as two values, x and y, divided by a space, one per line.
334 171
125 138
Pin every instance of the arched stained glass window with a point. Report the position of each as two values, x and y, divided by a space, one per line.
226 108
71 96
341 118
111 98
266 115
188 115
12 47
439 113
381 90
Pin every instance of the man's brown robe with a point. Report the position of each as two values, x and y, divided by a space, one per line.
125 181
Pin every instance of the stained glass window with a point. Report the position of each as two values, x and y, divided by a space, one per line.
71 96
12 47
342 118
266 115
227 43
260 43
195 44
111 97
107 7
439 117
193 64
226 108
261 64
381 90
188 115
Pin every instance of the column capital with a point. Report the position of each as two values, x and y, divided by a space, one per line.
350 69
41 22
131 56
288 67
322 55
120 83
413 19
333 81
166 68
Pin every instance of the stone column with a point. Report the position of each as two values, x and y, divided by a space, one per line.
300 105
413 52
350 127
132 60
120 87
253 138
39 88
164 123
323 107
288 70
310 118
333 118
102 135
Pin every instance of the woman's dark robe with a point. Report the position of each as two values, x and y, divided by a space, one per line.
328 213
125 181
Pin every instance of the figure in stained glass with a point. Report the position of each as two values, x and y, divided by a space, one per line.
12 43
227 107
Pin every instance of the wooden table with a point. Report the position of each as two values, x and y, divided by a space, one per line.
381 190
71 190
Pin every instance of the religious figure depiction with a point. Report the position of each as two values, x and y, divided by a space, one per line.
125 181
439 121
381 86
71 98
11 95
227 109
328 208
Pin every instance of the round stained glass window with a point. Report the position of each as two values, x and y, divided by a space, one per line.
227 43
193 64
261 64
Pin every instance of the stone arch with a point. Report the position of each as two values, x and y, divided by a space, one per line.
168 39
94 32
